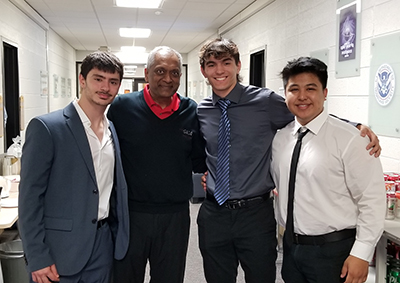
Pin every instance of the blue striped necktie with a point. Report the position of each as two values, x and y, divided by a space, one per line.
221 193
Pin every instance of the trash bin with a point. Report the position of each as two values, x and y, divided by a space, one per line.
13 262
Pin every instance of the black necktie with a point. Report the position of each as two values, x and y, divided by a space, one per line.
289 233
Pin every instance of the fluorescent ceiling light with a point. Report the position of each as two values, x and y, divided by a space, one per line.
132 58
135 32
149 4
139 49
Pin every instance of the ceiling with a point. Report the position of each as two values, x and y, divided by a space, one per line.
181 24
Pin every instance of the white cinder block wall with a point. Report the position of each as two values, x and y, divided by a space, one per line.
293 28
288 29
39 50
30 39
61 64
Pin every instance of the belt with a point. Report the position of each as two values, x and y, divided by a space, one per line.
239 203
326 238
102 222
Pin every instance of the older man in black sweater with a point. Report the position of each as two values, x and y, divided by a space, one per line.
160 147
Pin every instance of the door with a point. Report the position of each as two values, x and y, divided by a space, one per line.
11 94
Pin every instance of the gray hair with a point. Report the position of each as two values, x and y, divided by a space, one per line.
165 49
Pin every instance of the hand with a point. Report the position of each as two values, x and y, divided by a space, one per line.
204 180
374 147
46 274
355 269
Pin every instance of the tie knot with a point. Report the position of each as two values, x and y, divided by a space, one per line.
302 132
224 103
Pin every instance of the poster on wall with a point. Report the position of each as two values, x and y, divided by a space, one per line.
348 38
347 33
56 86
384 93
63 87
44 84
69 84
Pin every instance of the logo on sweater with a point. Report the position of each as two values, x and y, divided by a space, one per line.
187 132
384 84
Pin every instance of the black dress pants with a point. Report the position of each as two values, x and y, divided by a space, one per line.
245 235
161 240
315 264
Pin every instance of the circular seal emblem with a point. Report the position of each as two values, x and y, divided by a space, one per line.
384 84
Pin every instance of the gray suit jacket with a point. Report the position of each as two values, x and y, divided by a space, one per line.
58 194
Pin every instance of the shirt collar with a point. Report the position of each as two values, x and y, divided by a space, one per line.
314 125
151 103
85 120
233 96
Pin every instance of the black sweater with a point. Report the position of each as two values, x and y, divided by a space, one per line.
158 155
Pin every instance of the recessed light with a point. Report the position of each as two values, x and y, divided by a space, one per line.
135 32
139 49
149 4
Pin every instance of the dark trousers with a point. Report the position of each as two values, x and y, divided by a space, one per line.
315 264
229 237
161 239
98 268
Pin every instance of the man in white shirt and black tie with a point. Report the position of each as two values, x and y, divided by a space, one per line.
339 196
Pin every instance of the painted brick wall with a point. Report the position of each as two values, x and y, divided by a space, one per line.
293 28
32 42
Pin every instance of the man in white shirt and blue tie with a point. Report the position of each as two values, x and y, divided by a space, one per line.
339 196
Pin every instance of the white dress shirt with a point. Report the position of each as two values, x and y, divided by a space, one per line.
103 161
338 184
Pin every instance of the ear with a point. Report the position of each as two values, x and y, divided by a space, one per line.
239 67
146 75
82 81
325 93
203 72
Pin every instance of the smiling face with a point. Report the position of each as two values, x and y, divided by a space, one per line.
305 96
221 73
163 76
99 88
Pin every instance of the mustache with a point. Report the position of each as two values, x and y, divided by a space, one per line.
104 92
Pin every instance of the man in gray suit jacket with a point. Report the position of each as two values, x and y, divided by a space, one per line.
73 213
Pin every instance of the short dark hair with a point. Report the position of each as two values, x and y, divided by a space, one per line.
104 61
305 65
219 47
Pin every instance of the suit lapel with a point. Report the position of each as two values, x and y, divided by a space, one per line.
114 138
117 153
75 125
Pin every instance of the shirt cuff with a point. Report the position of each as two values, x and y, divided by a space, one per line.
362 251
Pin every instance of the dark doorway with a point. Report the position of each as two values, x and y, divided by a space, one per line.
11 94
78 71
257 70
138 83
